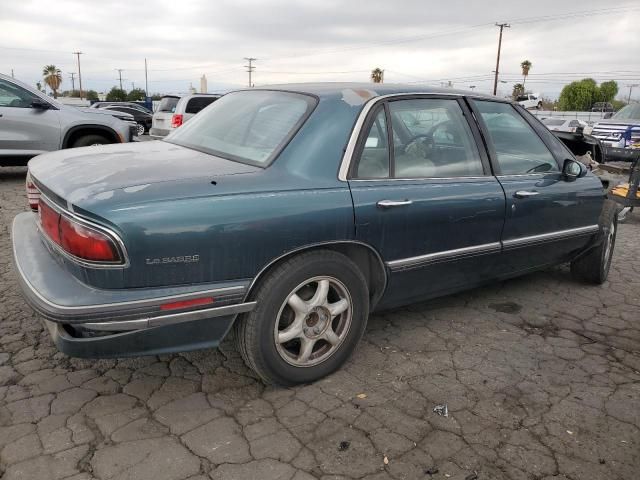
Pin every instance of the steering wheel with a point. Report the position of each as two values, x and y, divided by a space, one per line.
425 147
543 167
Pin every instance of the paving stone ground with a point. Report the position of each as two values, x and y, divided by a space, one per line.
541 376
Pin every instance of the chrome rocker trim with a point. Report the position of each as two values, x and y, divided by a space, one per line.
549 237
445 255
170 319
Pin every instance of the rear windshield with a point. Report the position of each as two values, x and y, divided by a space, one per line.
168 104
196 104
250 126
552 122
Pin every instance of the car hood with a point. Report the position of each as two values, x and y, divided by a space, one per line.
613 121
80 174
97 113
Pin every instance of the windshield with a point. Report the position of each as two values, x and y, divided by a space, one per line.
168 104
247 126
630 112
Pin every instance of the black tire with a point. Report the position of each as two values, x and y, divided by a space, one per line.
593 266
255 331
87 140
539 106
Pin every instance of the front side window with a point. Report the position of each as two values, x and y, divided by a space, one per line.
432 139
247 126
13 96
518 147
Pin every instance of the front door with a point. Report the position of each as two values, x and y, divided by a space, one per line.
424 197
25 131
547 217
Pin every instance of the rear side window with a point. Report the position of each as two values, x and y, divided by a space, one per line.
196 104
518 147
168 104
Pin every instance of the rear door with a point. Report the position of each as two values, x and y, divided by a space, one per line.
25 131
547 217
425 198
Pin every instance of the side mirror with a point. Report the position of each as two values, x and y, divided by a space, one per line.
572 170
40 104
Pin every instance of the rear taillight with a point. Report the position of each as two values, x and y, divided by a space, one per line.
176 120
33 194
76 239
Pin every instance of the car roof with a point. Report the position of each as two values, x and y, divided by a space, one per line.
332 89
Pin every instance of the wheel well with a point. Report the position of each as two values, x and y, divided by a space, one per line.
365 257
75 133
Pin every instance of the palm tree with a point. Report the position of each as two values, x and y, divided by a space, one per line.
52 77
377 75
526 66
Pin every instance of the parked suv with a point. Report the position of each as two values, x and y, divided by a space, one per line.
173 111
32 123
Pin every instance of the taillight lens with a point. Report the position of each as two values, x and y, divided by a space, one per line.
50 221
176 120
33 194
86 243
76 239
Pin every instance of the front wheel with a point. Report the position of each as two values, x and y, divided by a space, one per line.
539 106
89 140
311 312
593 266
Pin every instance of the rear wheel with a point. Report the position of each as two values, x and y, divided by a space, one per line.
311 312
539 106
594 265
88 140
140 129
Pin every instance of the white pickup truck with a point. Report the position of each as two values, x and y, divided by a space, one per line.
530 100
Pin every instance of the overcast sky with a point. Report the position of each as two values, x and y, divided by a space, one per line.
321 40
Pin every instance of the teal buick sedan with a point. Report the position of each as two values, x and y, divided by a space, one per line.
290 213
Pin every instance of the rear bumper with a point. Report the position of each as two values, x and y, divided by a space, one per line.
158 132
89 322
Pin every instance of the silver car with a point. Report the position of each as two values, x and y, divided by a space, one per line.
32 123
173 111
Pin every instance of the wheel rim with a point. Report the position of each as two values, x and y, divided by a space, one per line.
140 129
609 245
313 321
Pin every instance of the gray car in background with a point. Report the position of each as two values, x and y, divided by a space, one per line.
174 110
32 123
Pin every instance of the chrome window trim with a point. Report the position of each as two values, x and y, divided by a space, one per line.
347 158
444 255
551 236
169 319
408 179
90 225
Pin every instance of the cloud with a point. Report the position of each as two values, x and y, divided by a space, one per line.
316 41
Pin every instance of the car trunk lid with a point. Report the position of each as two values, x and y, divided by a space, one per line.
83 173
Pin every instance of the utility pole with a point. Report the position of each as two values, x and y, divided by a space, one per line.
119 70
73 81
631 87
146 81
79 74
495 82
12 73
250 68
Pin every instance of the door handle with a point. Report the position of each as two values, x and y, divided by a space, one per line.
393 203
525 194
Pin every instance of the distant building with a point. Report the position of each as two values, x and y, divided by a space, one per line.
203 84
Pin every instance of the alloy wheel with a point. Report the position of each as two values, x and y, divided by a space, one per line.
313 321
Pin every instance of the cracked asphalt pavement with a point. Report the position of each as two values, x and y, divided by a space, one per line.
541 377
